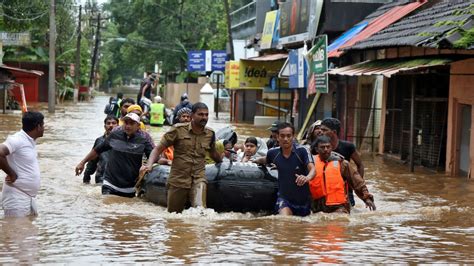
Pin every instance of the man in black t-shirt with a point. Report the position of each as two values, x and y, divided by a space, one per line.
127 147
145 88
331 128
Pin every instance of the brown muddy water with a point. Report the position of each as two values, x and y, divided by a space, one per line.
421 217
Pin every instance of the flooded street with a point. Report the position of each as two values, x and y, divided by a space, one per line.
420 218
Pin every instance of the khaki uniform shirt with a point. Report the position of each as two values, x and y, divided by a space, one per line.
189 154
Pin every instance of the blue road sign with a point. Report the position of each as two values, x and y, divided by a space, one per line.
197 61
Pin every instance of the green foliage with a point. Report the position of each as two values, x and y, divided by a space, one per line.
466 41
146 31
33 16
450 23
65 88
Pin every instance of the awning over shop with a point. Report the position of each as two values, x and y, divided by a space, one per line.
388 68
268 57
14 69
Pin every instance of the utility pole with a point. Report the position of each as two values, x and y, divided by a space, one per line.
77 69
52 59
96 49
229 31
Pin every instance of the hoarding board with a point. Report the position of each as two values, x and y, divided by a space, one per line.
15 39
299 20
231 75
268 29
297 69
318 65
257 74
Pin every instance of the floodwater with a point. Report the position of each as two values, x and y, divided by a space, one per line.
421 217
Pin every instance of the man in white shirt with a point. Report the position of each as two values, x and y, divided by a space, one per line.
19 160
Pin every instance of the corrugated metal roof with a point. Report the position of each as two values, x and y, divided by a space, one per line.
388 67
380 23
33 72
426 28
268 57
344 38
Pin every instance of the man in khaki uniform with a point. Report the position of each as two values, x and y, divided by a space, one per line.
187 179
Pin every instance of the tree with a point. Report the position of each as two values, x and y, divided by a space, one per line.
147 31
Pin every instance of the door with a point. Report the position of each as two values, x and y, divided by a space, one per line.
464 147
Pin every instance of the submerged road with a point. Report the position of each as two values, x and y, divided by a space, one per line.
420 218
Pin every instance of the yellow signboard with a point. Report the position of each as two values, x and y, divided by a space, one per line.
257 74
232 74
268 28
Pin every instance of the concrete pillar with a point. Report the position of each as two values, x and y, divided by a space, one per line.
207 97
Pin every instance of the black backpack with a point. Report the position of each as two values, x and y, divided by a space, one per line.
112 107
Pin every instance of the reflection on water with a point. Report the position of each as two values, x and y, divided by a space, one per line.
19 242
422 217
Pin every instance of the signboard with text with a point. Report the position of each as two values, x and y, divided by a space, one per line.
231 75
218 58
297 69
299 20
257 74
15 39
268 29
318 65
206 60
196 61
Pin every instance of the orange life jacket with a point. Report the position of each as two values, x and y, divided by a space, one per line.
169 153
328 182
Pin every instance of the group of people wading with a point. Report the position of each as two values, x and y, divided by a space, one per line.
313 177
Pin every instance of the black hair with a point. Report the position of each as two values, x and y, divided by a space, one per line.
119 95
332 124
283 125
31 120
252 140
225 142
127 100
320 139
110 117
111 99
197 106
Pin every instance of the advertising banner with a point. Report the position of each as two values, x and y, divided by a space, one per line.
297 69
231 75
257 74
318 65
268 29
294 20
299 20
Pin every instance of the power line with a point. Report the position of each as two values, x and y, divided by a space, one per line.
18 10
23 19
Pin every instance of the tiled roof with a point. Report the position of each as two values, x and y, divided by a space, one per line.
432 27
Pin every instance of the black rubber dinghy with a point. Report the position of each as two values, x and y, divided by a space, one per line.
238 187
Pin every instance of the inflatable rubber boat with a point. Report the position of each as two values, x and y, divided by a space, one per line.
238 187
